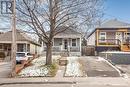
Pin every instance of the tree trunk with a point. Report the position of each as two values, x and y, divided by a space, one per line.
49 54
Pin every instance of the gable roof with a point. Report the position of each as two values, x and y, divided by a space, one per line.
66 32
20 36
111 24
114 23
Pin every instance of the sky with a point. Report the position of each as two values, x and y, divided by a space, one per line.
119 9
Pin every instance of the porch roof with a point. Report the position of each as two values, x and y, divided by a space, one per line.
20 37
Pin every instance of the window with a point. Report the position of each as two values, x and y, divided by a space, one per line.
28 47
73 42
1 47
102 36
20 47
128 35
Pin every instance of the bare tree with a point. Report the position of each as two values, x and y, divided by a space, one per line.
49 15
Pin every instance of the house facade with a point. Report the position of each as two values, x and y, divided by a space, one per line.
112 35
24 43
67 43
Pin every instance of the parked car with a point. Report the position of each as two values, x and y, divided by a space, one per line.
23 56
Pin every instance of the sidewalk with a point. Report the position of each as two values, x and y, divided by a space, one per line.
117 81
60 72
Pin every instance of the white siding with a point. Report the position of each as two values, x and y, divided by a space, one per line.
35 49
91 40
32 48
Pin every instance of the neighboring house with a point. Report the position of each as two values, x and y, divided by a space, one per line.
24 43
67 42
112 35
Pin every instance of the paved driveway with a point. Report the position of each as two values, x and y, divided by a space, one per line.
98 67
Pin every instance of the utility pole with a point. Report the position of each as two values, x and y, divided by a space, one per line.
13 49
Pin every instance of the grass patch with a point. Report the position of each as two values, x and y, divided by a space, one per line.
53 68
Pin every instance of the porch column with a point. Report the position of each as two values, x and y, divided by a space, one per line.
26 47
62 46
80 46
97 42
69 44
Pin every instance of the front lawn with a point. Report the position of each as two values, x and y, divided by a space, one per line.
39 69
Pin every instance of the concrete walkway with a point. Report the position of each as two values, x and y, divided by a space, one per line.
5 69
60 72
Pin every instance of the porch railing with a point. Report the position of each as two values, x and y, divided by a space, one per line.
126 41
74 49
109 42
54 48
60 49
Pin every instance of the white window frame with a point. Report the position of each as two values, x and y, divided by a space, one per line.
102 36
126 33
76 42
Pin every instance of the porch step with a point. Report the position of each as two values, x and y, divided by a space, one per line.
64 54
125 48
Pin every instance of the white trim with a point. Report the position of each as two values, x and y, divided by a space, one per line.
126 35
102 36
121 36
80 45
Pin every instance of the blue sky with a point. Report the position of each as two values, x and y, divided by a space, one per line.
119 9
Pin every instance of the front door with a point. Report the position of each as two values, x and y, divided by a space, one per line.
65 44
119 36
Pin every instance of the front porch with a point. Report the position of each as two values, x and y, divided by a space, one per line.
112 38
5 49
69 46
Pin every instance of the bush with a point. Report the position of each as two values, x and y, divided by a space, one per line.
53 69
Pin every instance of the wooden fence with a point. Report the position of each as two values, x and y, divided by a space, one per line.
88 51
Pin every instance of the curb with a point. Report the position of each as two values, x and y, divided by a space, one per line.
1 84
